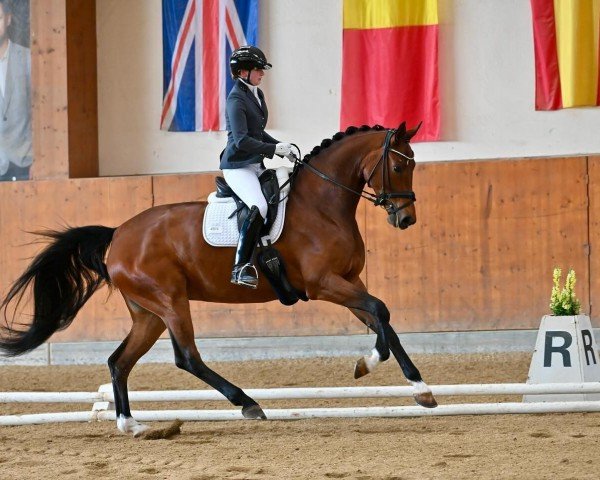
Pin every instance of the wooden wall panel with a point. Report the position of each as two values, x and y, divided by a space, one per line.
49 87
54 204
82 88
215 320
594 230
182 188
482 252
480 256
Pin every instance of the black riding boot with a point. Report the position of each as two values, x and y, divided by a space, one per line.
244 273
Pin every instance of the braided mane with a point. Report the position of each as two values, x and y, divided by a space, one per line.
338 136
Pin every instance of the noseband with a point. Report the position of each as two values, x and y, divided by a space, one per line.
382 199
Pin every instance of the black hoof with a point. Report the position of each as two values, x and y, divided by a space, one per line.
254 412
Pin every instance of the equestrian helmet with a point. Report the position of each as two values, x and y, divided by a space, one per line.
247 57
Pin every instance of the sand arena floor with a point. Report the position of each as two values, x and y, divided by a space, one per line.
555 446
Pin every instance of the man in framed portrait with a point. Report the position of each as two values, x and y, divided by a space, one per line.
15 101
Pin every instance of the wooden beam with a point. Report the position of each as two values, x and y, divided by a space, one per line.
82 88
593 246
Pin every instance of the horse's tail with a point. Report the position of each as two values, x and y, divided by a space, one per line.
63 277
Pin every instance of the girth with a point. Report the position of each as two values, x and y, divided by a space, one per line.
270 189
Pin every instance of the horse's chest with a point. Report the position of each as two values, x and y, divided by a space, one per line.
349 256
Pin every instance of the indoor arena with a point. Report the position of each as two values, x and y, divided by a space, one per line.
389 273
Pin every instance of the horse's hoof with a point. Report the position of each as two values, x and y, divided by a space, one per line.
130 425
254 412
425 399
360 369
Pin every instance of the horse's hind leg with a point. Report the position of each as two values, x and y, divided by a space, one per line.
188 358
145 330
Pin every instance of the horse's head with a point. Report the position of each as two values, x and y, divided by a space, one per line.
390 174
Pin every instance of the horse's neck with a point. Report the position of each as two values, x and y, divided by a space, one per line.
343 164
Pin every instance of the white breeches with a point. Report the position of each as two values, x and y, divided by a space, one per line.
244 182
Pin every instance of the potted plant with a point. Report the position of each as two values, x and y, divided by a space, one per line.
564 302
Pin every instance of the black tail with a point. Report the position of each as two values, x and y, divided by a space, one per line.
64 276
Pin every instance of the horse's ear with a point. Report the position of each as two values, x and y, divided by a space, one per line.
411 133
400 133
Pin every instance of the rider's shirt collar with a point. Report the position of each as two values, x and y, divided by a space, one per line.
253 89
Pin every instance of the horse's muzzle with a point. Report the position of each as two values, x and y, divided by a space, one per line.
401 221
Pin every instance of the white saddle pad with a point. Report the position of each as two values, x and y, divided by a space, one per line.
221 231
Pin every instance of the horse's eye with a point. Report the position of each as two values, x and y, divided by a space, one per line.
397 168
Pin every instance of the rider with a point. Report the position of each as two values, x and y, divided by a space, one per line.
247 145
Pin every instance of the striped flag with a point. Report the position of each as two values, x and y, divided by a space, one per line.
198 38
390 64
565 36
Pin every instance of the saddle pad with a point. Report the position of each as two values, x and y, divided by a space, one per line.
221 231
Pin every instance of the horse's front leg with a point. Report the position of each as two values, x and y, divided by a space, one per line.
335 289
422 393
377 319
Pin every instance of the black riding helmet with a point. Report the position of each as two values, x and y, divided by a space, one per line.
247 57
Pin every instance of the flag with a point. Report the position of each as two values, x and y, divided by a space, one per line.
390 64
198 38
565 38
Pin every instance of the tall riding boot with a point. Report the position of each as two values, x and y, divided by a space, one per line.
244 273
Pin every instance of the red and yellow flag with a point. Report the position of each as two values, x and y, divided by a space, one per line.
565 36
390 65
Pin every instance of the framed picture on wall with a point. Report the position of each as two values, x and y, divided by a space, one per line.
15 91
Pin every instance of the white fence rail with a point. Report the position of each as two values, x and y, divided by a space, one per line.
304 393
307 393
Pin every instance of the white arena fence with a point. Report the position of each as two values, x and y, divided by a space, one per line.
103 399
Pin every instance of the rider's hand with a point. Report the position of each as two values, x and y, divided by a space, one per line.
291 157
283 149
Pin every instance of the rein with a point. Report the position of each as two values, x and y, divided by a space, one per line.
382 199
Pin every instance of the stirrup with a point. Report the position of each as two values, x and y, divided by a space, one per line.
237 277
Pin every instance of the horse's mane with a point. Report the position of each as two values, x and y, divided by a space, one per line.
338 136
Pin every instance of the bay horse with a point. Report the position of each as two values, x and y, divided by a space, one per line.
159 261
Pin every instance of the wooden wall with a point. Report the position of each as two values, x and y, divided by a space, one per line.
480 256
488 236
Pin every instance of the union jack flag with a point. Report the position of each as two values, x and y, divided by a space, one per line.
198 38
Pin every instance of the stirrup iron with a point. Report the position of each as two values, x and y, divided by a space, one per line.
237 277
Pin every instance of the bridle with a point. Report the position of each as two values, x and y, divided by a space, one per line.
383 198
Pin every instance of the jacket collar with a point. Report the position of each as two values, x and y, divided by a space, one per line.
242 86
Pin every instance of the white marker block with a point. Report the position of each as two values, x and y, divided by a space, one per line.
565 352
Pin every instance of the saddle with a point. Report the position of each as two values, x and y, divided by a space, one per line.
268 257
269 183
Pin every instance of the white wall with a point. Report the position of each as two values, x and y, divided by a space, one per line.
487 83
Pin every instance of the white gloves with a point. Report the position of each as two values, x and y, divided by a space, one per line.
283 149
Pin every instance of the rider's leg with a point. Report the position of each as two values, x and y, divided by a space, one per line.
244 182
244 273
